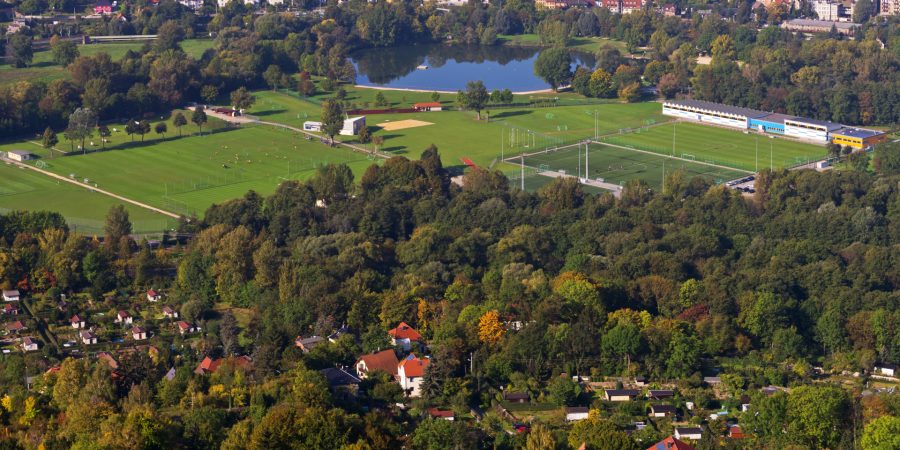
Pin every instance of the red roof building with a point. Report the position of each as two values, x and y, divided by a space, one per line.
209 365
385 360
670 443
404 335
428 106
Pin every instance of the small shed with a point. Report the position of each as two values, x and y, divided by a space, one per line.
20 155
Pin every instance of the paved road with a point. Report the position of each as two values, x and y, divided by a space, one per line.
92 188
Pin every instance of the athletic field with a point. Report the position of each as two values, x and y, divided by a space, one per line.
726 147
186 175
23 189
617 165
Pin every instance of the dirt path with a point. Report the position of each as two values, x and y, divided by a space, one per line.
92 188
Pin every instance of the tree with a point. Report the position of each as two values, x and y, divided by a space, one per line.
862 11
242 98
179 121
132 127
20 47
198 118
668 85
599 434
490 329
553 65
161 128
816 415
563 391
365 136
64 52
306 87
380 100
96 95
378 141
435 96
118 225
474 98
540 438
631 92
273 76
143 127
882 433
436 434
209 93
168 36
81 125
601 84
332 118
49 138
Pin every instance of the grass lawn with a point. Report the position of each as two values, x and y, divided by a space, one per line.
586 44
84 210
44 69
731 148
186 175
616 165
457 134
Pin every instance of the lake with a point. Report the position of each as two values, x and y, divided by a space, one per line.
450 67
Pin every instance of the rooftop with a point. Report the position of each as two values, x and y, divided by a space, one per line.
385 360
819 23
404 331
339 377
857 132
718 107
823 123
670 443
776 118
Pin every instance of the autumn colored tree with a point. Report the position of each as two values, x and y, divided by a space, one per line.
490 329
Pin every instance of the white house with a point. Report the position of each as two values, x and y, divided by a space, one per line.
77 322
11 296
692 433
138 334
153 296
88 338
621 395
888 370
29 345
403 336
19 155
662 410
410 372
312 126
169 313
124 317
577 413
353 125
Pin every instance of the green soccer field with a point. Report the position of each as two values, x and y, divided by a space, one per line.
731 148
617 165
23 189
186 175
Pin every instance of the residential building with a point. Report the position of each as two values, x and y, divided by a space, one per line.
124 318
828 10
670 443
890 7
77 322
169 313
818 26
621 395
87 338
884 369
444 414
663 411
410 372
692 433
341 382
385 361
11 295
209 365
10 309
403 336
735 432
575 413
660 394
15 327
630 6
138 334
186 328
29 345
308 343
153 296
103 7
517 397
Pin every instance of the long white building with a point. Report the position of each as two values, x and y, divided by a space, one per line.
715 113
810 129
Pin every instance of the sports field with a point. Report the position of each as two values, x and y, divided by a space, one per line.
617 165
84 210
458 135
186 175
730 148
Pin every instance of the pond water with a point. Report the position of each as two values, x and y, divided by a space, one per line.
450 67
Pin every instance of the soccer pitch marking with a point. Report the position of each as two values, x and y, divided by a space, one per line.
680 158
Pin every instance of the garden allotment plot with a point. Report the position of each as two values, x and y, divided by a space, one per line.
718 146
618 165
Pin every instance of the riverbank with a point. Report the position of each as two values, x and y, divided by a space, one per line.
381 88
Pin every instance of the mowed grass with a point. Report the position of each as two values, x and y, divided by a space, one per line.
43 68
617 165
731 148
186 175
22 189
458 134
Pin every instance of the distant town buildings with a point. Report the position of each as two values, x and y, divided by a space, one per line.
818 26
889 7
828 10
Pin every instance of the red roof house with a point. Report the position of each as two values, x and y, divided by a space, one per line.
385 360
670 443
404 335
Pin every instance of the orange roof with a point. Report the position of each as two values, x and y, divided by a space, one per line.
385 360
427 105
404 331
670 443
414 367
735 432
437 412
208 365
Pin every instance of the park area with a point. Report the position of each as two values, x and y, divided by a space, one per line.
732 148
42 67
